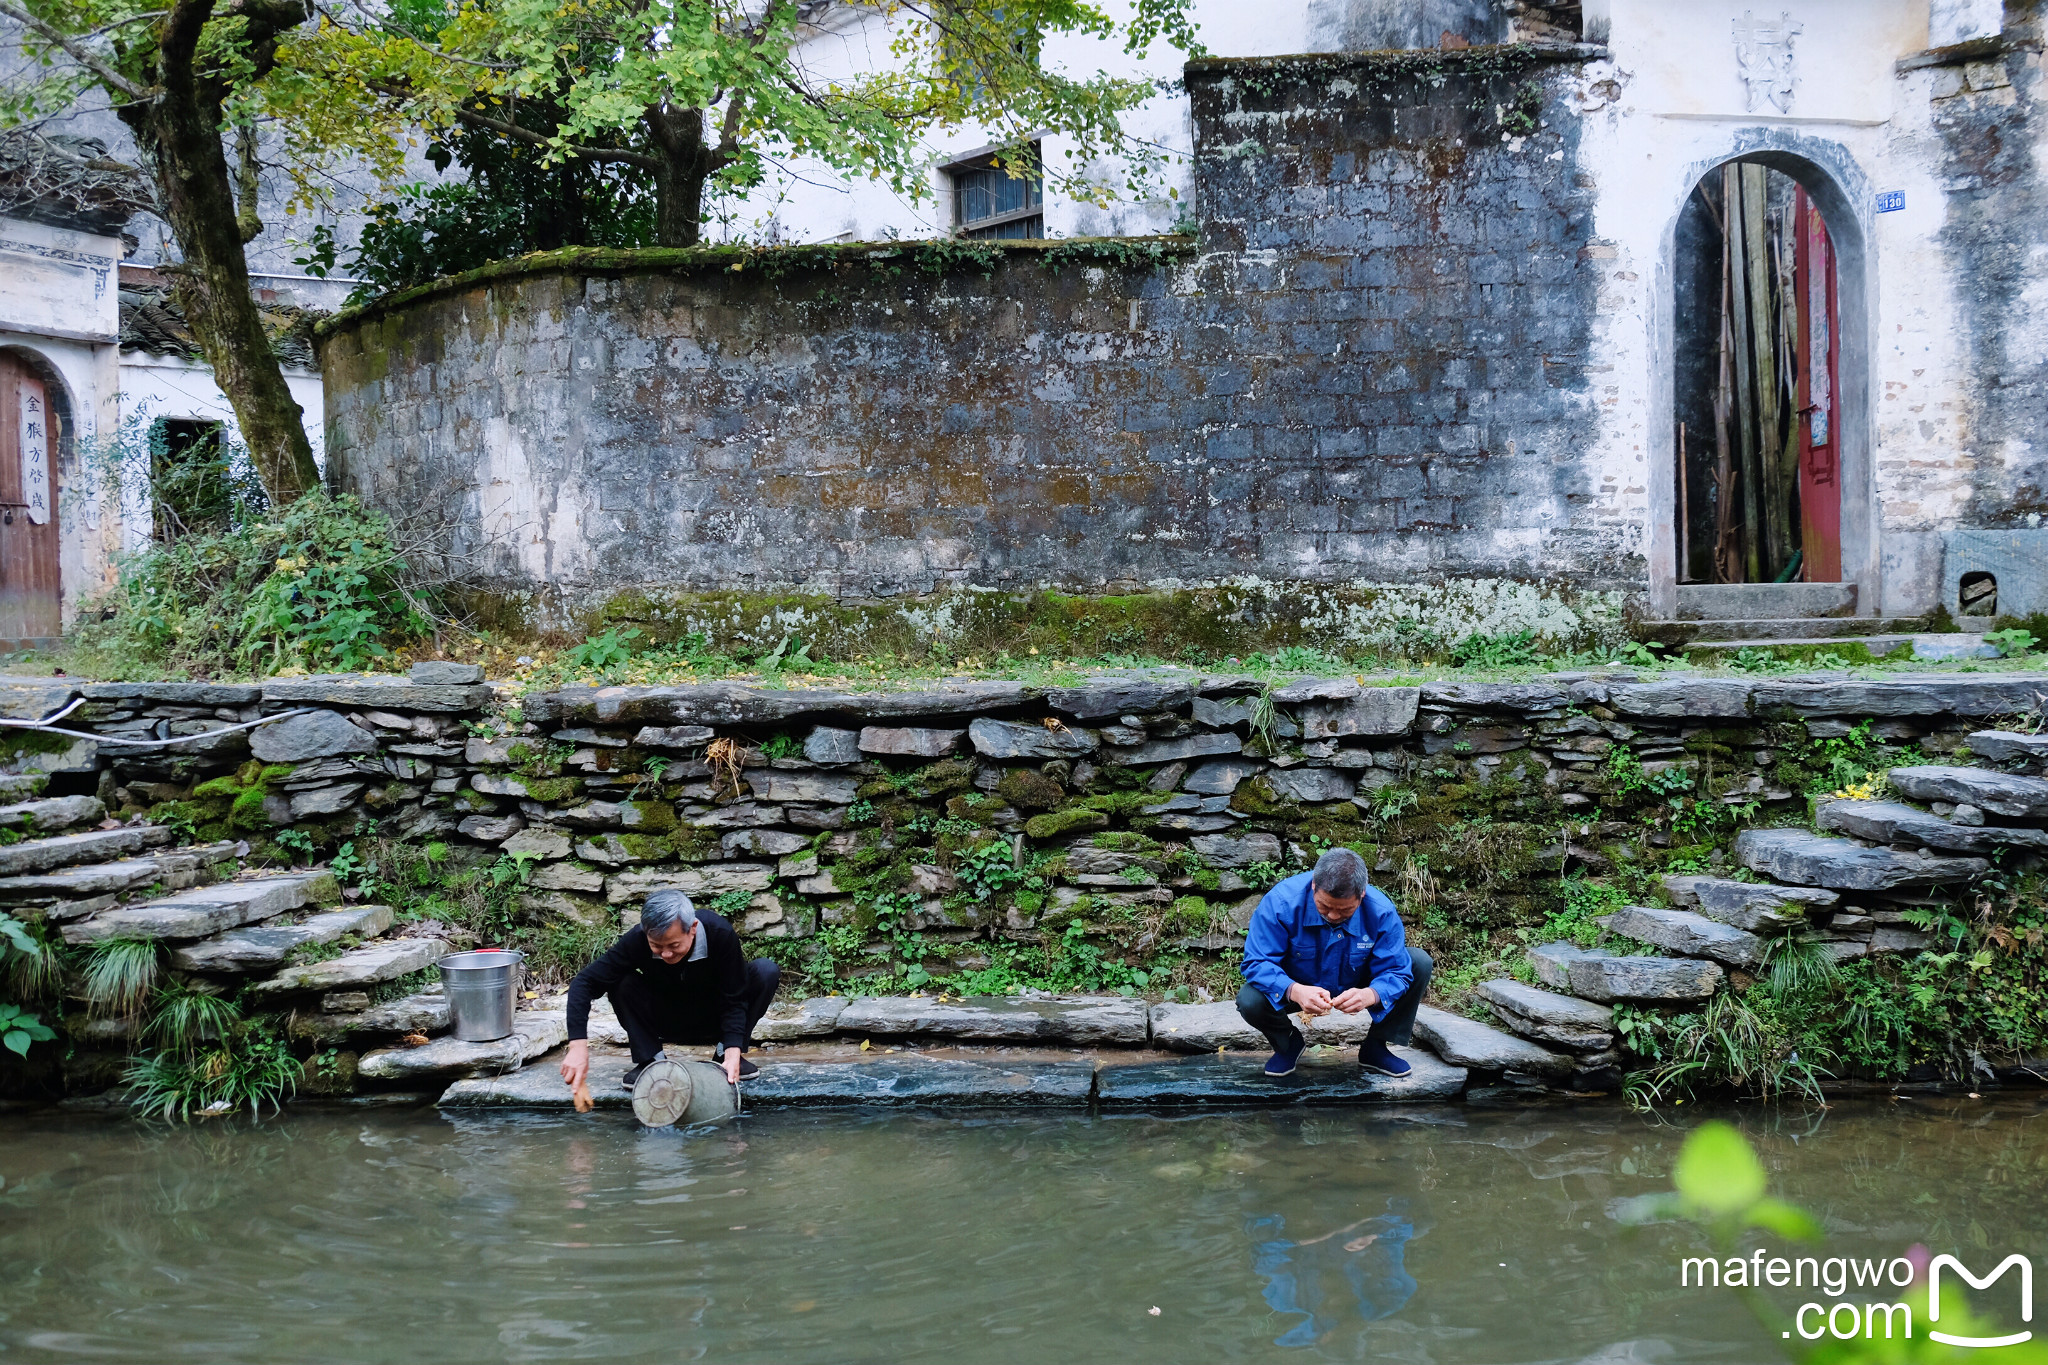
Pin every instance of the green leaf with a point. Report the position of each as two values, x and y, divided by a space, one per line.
1717 1171
1787 1220
16 1041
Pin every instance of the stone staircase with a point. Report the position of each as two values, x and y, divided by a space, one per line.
1852 888
1725 618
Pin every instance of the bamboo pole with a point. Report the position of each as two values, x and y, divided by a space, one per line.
1763 336
1751 476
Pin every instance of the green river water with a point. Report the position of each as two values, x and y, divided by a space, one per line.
1439 1234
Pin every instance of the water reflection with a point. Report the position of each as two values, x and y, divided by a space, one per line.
1362 1261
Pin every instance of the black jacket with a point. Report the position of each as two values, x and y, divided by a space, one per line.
720 980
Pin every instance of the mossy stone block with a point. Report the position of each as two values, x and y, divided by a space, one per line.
1073 820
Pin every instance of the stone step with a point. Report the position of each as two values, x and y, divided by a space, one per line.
1890 822
1774 629
1751 601
1087 1021
1748 905
449 1058
22 786
1654 980
786 1022
1996 793
241 951
1482 1047
205 910
2010 746
1553 962
1687 934
1205 1028
1547 1017
1924 648
1803 859
52 813
69 893
385 960
1320 1078
69 850
425 1012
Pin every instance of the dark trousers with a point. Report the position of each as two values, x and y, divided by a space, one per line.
1396 1026
652 1017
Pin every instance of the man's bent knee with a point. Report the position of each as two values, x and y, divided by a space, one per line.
762 973
1424 967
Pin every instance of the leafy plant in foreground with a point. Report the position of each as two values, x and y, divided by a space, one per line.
119 975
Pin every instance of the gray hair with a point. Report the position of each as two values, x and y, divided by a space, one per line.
667 909
1340 873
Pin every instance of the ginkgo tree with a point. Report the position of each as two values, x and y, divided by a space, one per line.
706 95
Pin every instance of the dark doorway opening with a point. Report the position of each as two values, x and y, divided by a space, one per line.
1758 383
189 477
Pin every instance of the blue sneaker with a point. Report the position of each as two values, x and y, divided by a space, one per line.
1379 1057
1281 1063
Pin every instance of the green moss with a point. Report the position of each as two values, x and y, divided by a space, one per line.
694 843
1073 820
653 848
519 754
247 810
552 790
1254 797
1030 790
1122 803
1124 841
977 809
655 816
229 786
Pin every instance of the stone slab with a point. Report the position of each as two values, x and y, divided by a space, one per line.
1206 1027
1548 1017
1122 695
1688 934
260 949
69 850
1482 1047
1996 793
1930 694
1511 697
1891 822
1002 739
907 741
34 698
1073 1021
1662 980
442 673
1221 777
823 744
85 881
1236 851
1197 745
173 693
538 1086
385 960
1682 699
1553 962
2010 746
376 692
817 1017
449 1058
1747 905
205 910
772 784
908 1078
425 1012
1227 1080
318 734
704 879
1366 711
1312 784
731 703
1793 855
52 813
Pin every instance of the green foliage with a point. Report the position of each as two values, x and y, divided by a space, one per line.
1798 963
321 586
296 842
601 653
1496 651
119 975
2015 643
783 746
19 1028
1584 901
1742 1043
184 1017
988 870
252 1071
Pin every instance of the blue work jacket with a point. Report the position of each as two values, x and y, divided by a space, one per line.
1289 942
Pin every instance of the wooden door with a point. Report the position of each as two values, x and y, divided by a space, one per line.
1818 345
31 586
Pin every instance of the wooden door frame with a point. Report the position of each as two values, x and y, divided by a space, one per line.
1838 188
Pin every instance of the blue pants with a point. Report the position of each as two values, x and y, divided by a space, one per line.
1396 1026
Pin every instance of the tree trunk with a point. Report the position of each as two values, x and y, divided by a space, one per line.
678 138
180 133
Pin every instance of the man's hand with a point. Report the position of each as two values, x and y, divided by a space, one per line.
1314 1000
576 1064
1356 999
732 1066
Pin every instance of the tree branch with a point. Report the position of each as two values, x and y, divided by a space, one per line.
79 53
507 129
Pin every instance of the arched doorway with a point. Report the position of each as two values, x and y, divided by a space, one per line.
35 418
1759 401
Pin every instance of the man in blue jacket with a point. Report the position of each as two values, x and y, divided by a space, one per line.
1325 940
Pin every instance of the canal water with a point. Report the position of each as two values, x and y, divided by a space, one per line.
1442 1234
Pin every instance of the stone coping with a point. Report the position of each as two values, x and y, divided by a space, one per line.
1095 696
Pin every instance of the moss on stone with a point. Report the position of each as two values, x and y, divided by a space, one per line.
1072 820
1027 789
247 811
652 848
655 817
694 843
553 790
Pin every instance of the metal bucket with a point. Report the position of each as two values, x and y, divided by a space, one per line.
482 989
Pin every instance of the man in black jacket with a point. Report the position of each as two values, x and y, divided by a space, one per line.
678 977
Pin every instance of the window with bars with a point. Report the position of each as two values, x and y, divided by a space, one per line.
990 201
